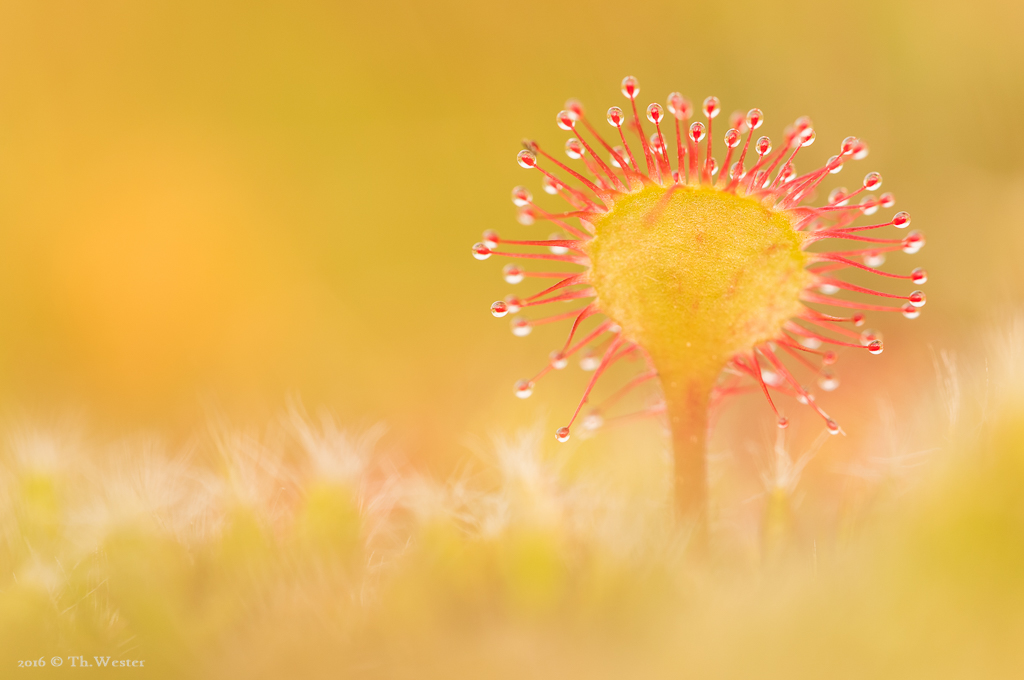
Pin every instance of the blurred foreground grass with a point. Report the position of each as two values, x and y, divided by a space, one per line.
302 551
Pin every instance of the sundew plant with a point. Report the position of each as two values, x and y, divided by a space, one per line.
720 277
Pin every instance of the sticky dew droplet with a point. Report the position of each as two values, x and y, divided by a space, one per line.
521 196
499 309
557 250
655 113
755 118
810 342
827 381
867 336
513 274
838 196
521 327
679 106
712 107
523 389
828 289
874 259
562 434
574 149
480 251
526 159
913 242
630 87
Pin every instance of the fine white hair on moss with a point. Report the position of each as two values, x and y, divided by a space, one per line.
246 550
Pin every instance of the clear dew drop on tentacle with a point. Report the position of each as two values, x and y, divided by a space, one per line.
481 252
574 149
521 196
523 389
755 118
828 381
874 259
868 335
521 327
810 342
593 421
913 242
711 107
655 113
513 274
557 250
630 87
590 361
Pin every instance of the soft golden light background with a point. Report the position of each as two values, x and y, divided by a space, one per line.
208 205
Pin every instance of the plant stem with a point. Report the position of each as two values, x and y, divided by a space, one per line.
686 403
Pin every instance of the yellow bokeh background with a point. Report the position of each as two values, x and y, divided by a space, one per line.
217 217
208 206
